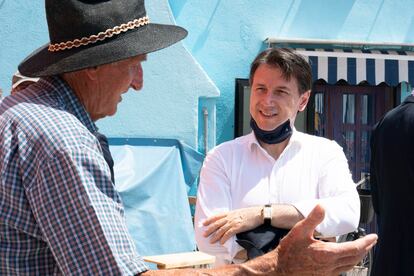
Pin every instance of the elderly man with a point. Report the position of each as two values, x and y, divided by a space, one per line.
60 213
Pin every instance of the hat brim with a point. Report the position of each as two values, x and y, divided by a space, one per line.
143 40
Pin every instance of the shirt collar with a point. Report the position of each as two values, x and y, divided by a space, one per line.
67 98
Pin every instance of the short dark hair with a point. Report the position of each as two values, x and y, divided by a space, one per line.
291 63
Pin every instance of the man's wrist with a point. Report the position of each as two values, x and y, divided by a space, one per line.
266 264
266 214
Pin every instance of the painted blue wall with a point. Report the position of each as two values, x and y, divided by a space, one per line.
225 36
175 86
24 29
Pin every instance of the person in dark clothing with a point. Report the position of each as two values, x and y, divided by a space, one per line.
392 184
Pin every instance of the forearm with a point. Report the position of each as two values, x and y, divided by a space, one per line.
285 216
226 270
341 216
341 213
265 265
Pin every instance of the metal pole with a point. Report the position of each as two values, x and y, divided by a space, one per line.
205 116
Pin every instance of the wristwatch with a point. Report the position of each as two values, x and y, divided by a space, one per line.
267 214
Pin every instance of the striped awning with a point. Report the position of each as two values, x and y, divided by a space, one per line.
356 66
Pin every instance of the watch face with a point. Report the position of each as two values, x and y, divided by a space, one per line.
267 212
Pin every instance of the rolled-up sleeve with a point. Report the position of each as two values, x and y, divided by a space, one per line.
81 215
213 198
336 193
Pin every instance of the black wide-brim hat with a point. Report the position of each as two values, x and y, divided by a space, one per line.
88 33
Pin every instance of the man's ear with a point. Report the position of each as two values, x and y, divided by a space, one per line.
303 101
92 73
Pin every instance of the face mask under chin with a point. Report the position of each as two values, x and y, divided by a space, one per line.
275 136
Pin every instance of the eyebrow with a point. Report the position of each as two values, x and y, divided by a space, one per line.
277 87
283 87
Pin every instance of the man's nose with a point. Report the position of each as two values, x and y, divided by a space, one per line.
138 81
268 98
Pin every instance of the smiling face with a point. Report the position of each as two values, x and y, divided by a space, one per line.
273 98
115 79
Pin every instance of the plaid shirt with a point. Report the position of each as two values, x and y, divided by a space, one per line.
60 213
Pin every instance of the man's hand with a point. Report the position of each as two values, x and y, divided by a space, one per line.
297 254
223 226
300 254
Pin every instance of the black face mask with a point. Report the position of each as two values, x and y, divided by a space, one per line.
276 136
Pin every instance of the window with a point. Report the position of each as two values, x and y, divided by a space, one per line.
346 114
242 113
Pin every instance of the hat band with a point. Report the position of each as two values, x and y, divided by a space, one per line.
136 23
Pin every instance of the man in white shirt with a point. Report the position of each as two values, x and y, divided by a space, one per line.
274 175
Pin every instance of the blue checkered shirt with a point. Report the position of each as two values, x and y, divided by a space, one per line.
60 213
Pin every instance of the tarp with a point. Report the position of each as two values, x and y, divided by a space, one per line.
153 177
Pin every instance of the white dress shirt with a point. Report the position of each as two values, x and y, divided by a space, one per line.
310 170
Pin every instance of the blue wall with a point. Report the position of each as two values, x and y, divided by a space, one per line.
225 36
23 30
